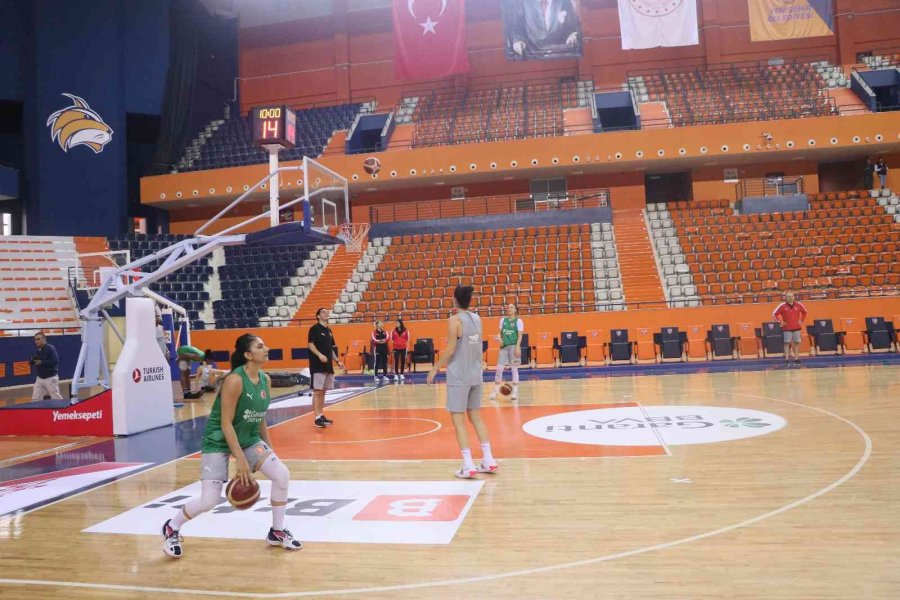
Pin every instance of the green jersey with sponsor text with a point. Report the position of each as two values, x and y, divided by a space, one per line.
250 411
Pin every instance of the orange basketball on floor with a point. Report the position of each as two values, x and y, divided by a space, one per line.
505 389
240 495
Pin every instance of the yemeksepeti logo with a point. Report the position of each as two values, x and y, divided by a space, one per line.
77 416
79 125
654 425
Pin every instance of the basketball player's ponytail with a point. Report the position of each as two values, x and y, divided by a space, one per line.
241 347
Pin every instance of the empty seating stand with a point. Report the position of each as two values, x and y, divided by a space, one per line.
490 113
846 245
673 269
187 287
734 93
228 142
34 284
542 269
253 278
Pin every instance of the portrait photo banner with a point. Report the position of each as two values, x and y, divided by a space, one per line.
542 29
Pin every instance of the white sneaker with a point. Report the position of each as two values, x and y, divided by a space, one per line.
283 538
465 473
515 394
492 469
493 395
402 378
396 379
172 541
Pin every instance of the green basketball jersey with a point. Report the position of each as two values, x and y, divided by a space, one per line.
509 331
250 411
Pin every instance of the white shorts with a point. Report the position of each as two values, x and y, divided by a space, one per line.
791 336
507 356
323 381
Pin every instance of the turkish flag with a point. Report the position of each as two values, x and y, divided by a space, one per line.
429 38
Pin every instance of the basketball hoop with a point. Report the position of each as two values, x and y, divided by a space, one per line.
354 235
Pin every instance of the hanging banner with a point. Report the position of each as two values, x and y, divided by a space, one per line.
790 19
655 23
542 29
429 38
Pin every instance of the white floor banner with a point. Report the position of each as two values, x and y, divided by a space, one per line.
19 494
361 512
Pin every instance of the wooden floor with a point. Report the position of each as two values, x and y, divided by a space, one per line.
807 511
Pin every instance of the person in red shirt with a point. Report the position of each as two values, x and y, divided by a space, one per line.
791 315
400 342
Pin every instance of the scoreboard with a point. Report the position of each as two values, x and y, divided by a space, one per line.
273 126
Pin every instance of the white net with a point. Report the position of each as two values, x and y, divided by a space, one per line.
355 235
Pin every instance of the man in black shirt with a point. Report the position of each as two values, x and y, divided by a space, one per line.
322 356
46 360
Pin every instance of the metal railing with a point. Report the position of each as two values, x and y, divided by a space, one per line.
769 186
487 205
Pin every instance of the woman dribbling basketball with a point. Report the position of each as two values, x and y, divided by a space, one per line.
237 427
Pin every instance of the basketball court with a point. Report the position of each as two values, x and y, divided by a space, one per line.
710 485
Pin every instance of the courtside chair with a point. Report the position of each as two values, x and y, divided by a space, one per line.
770 339
823 337
720 343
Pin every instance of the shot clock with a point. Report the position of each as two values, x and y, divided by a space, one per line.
274 126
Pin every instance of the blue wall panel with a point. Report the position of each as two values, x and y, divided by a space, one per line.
21 349
12 41
77 50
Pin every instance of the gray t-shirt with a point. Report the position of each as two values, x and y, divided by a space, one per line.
465 365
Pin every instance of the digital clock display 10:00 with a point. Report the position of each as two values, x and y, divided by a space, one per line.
274 125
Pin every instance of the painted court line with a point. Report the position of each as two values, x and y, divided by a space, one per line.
655 431
401 437
519 573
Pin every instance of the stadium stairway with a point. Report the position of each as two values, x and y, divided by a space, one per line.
654 115
640 278
330 284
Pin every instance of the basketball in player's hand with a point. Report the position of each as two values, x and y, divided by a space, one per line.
240 495
505 389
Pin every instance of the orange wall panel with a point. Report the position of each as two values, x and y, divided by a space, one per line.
650 319
709 183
